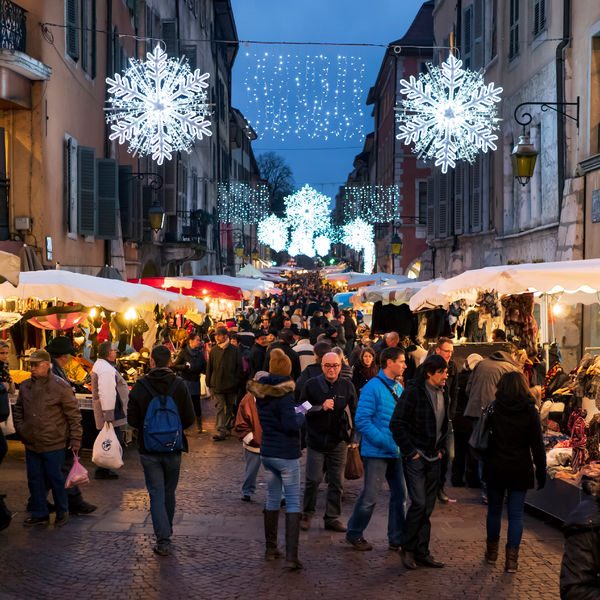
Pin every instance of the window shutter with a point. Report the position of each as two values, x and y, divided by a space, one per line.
468 37
70 179
513 48
191 54
443 206
73 29
169 36
539 16
476 195
86 190
108 187
126 201
478 35
93 43
459 184
168 188
430 208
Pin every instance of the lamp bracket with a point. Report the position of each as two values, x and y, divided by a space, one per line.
559 107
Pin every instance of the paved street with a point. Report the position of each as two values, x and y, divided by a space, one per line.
219 545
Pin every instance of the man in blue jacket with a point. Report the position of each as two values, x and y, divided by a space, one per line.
379 451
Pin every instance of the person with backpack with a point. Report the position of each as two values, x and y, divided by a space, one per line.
160 408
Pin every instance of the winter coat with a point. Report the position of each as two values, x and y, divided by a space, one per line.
482 385
110 393
580 569
304 350
140 397
256 359
247 424
376 406
360 377
46 414
349 328
308 373
192 357
460 423
279 421
224 372
324 427
516 436
413 423
296 370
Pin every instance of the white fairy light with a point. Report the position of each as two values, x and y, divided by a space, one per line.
272 231
240 202
373 203
360 235
449 114
159 106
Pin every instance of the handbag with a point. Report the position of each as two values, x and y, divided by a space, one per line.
480 437
354 465
107 452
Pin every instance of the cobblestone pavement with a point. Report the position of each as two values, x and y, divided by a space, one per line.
218 545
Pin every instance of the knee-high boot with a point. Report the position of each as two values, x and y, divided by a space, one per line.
292 536
271 520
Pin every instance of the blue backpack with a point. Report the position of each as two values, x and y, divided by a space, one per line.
163 431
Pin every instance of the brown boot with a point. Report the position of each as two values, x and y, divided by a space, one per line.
512 560
491 552
292 535
271 520
305 521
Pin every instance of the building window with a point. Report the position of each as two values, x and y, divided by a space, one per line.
539 16
513 44
88 37
422 202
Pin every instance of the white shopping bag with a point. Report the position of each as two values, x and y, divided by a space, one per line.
107 452
7 426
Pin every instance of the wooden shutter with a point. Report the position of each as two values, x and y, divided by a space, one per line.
169 36
478 20
108 189
539 16
70 184
513 47
430 208
126 201
72 33
459 185
443 205
86 190
169 185
476 195
190 52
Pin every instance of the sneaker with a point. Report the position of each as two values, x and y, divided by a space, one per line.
61 520
442 496
360 544
32 521
246 498
83 508
162 549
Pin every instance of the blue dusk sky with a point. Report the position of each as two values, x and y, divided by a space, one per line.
322 163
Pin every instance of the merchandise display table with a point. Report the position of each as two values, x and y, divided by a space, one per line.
558 498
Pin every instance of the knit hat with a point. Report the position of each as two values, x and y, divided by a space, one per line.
473 360
279 363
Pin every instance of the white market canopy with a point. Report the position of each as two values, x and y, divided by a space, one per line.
10 267
341 276
361 279
117 296
576 281
250 287
394 293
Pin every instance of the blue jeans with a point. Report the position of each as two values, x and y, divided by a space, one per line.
376 469
252 460
282 472
515 508
161 471
45 468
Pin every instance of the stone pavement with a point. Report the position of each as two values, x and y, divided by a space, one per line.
218 544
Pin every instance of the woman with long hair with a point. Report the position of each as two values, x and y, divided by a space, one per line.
515 446
365 369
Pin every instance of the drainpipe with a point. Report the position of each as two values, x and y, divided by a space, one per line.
560 98
107 143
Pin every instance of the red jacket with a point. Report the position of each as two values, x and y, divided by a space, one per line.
247 421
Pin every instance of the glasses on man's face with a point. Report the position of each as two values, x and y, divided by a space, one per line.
332 366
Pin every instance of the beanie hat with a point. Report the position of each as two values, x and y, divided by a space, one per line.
279 363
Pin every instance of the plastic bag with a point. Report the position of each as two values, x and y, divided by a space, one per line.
78 474
107 452
8 427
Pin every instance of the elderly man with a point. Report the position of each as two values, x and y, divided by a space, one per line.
389 340
47 418
329 395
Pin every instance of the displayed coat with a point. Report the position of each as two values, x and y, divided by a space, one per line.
110 393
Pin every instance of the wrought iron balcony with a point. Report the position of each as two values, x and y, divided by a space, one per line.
12 26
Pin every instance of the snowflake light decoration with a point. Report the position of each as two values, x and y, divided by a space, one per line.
158 106
322 245
307 209
272 231
360 235
449 114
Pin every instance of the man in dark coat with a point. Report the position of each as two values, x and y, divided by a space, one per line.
224 375
285 339
256 358
419 426
161 469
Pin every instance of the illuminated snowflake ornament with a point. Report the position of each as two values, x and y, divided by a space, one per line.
322 245
449 114
159 106
360 235
272 231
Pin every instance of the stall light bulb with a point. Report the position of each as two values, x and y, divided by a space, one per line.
93 313
558 310
130 315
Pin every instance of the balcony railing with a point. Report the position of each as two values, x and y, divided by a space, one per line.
12 26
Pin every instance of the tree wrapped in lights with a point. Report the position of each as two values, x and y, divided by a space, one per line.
449 114
159 106
240 202
373 203
273 231
360 236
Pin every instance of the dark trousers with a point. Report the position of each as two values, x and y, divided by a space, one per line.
334 461
197 405
45 467
422 481
224 404
464 464
3 447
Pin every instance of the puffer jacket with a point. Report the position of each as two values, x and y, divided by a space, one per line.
280 423
373 415
580 569
46 415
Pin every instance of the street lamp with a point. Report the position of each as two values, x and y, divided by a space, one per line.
396 249
156 216
523 158
239 250
255 254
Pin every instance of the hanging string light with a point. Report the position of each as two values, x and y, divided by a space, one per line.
240 202
373 203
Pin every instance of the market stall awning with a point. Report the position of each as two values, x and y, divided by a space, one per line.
249 287
428 296
361 279
573 281
10 267
392 293
343 277
191 286
87 290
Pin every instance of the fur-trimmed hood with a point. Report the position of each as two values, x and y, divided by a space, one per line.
273 386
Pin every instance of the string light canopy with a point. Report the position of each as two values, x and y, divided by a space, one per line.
449 114
373 203
159 106
360 236
240 202
318 96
